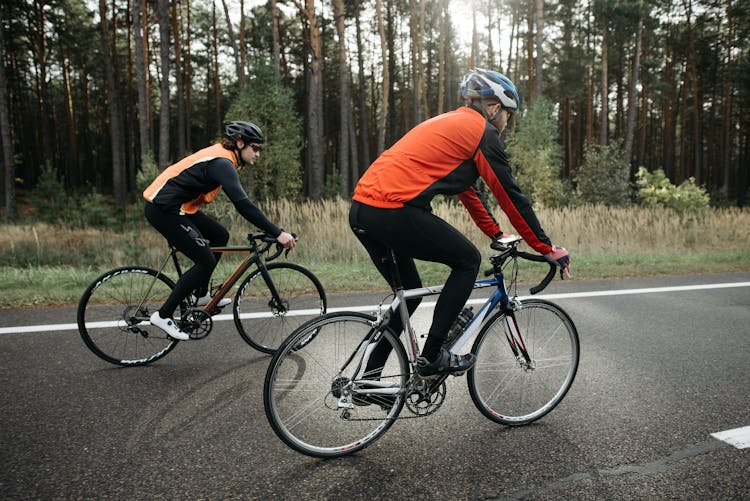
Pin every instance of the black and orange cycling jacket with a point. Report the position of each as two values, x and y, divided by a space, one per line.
444 156
183 188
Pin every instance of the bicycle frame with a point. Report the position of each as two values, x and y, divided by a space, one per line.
498 297
254 257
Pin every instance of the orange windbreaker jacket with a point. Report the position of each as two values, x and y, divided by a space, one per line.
184 187
446 155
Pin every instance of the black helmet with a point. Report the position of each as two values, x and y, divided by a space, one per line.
247 131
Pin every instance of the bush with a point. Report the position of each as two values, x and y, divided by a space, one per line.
604 177
655 189
266 102
49 196
55 205
146 174
535 154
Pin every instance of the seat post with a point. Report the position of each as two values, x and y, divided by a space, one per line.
395 275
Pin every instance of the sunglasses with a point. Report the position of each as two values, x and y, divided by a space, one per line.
256 147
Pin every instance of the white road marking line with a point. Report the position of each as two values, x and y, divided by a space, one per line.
739 437
372 308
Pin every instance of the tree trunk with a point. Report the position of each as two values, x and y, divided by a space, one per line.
490 46
40 52
472 63
9 171
416 23
632 95
364 116
118 181
141 79
235 50
275 37
164 155
314 82
345 111
538 88
442 50
589 105
726 124
529 42
181 125
697 151
383 111
215 69
243 44
604 119
188 79
668 152
510 46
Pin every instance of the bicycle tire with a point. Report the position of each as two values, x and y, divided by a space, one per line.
505 390
109 325
261 322
312 376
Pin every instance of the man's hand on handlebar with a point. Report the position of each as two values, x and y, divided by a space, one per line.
561 258
287 240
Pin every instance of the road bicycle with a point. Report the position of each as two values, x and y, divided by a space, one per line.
273 300
324 396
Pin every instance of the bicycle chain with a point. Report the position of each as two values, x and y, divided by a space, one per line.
400 416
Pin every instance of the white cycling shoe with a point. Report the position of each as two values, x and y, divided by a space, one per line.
203 301
168 326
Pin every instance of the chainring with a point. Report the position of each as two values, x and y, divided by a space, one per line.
423 400
197 323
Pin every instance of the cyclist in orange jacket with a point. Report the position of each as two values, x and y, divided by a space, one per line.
445 155
173 207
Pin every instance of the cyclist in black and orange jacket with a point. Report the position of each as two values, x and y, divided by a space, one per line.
174 200
445 155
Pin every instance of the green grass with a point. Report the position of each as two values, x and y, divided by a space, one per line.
63 285
43 264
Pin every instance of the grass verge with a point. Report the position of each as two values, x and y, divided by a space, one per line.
63 285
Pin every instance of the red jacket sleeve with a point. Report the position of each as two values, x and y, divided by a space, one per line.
493 166
479 213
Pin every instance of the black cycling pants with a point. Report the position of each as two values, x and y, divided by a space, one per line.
415 233
191 234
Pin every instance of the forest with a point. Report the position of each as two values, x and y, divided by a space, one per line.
95 93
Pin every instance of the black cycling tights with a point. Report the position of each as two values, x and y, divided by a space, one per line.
415 233
191 234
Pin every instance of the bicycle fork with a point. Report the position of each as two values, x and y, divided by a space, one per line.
515 341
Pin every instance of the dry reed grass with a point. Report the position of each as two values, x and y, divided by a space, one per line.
325 236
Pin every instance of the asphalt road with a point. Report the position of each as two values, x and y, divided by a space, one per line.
660 372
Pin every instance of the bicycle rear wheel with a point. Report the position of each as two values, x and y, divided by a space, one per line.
265 321
316 395
503 385
112 324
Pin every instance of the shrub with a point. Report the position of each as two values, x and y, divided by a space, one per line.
146 174
49 196
266 102
535 154
655 189
603 178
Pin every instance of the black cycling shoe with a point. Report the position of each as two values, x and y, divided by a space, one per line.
446 363
384 401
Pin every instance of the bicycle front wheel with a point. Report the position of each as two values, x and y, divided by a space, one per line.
114 311
505 386
321 396
265 320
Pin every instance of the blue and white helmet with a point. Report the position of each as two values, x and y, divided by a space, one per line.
481 84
